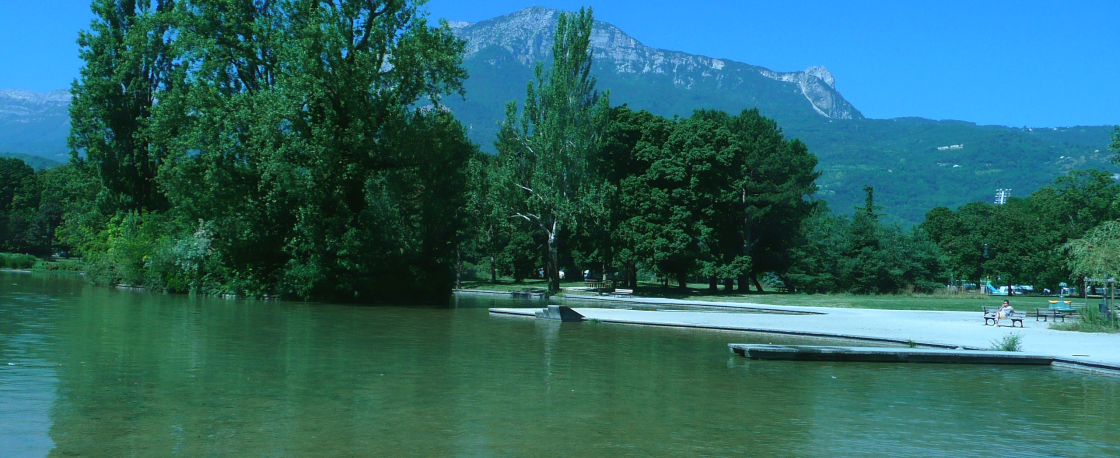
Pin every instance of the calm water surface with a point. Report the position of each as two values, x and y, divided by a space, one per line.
87 371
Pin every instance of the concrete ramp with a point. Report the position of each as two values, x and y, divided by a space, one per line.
885 355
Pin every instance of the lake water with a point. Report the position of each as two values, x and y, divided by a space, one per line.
89 371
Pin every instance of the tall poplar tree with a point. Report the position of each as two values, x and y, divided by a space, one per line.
127 65
543 153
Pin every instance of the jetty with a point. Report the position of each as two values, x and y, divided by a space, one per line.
886 355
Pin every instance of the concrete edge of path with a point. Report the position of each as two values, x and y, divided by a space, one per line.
1059 361
531 313
693 303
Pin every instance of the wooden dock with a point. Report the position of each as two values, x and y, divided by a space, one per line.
885 355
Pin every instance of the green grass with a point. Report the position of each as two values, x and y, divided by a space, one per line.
507 284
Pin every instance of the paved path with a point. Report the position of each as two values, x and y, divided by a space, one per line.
941 329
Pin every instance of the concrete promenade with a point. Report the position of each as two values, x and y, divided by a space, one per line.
929 329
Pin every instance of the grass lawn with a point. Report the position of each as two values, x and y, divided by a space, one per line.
699 292
507 284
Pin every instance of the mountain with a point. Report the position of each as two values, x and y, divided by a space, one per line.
36 162
35 123
912 162
502 51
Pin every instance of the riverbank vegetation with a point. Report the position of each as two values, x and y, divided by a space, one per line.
300 149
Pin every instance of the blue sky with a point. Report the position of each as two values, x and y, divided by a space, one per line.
1020 63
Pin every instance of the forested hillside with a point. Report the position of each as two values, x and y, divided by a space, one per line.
899 157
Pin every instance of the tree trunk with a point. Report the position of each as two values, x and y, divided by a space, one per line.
754 278
789 284
713 284
682 280
493 270
632 275
553 269
458 268
744 284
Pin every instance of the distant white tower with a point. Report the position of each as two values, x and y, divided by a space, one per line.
1002 195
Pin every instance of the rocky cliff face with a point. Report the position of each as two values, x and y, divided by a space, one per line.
25 106
34 123
527 35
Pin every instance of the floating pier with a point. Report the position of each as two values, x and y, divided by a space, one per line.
885 355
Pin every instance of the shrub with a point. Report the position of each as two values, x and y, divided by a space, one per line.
17 261
1090 320
1010 342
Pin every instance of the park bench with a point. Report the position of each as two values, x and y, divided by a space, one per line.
599 286
1048 314
1015 317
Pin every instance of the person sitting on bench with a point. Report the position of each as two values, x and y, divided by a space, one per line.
1004 311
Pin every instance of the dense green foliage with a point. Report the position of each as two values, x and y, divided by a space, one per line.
862 254
277 148
302 149
1017 243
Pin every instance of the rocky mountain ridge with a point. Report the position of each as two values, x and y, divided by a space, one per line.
24 104
34 123
527 35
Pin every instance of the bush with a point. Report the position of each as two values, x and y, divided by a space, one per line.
1010 342
1090 320
17 261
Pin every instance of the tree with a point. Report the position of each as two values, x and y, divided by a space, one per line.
543 154
632 141
1097 254
1115 146
19 200
775 181
301 143
127 63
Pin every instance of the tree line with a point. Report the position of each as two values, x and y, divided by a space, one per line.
300 149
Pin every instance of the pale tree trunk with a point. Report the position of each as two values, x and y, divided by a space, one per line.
493 270
554 258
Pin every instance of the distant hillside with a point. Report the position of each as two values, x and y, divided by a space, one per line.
899 157
502 51
34 123
36 162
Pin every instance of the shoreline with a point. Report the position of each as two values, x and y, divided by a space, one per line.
929 329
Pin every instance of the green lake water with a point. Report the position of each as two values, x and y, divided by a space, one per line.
89 371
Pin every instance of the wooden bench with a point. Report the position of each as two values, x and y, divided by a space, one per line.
1015 317
1048 314
598 286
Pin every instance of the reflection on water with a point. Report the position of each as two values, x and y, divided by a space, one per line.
100 372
